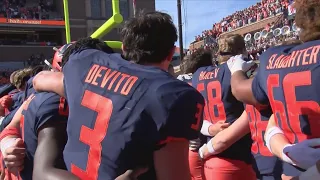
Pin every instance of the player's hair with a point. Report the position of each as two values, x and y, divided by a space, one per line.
308 19
88 42
230 45
12 76
21 78
148 38
197 59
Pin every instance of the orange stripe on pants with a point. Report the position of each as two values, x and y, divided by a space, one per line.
227 169
196 166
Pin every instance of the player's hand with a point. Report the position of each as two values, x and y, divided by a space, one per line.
6 101
294 178
13 153
2 175
204 152
194 144
132 174
217 127
290 178
303 154
236 63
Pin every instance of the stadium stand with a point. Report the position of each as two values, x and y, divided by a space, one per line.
4 77
247 16
260 40
31 9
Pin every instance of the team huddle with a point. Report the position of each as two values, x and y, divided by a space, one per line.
94 114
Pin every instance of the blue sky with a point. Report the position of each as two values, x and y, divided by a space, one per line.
199 15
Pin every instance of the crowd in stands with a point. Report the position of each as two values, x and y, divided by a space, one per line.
256 46
20 9
255 13
4 77
34 60
26 42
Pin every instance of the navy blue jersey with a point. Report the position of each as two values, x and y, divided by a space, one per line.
6 89
214 84
121 112
43 108
17 99
7 119
14 91
188 79
288 78
29 88
266 164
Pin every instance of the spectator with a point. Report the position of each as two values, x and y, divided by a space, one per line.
17 9
260 11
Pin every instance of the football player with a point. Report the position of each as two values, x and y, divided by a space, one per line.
22 78
190 64
18 79
253 120
128 112
213 82
42 121
267 166
287 79
7 88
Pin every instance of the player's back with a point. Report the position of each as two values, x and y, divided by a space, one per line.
17 99
288 77
29 88
43 108
266 164
188 79
118 113
213 82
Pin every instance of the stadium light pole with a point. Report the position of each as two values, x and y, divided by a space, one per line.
180 29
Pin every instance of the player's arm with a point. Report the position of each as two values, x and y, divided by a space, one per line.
2 111
15 123
227 137
241 86
275 138
49 81
183 123
51 141
171 162
210 129
12 147
132 174
279 145
6 101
